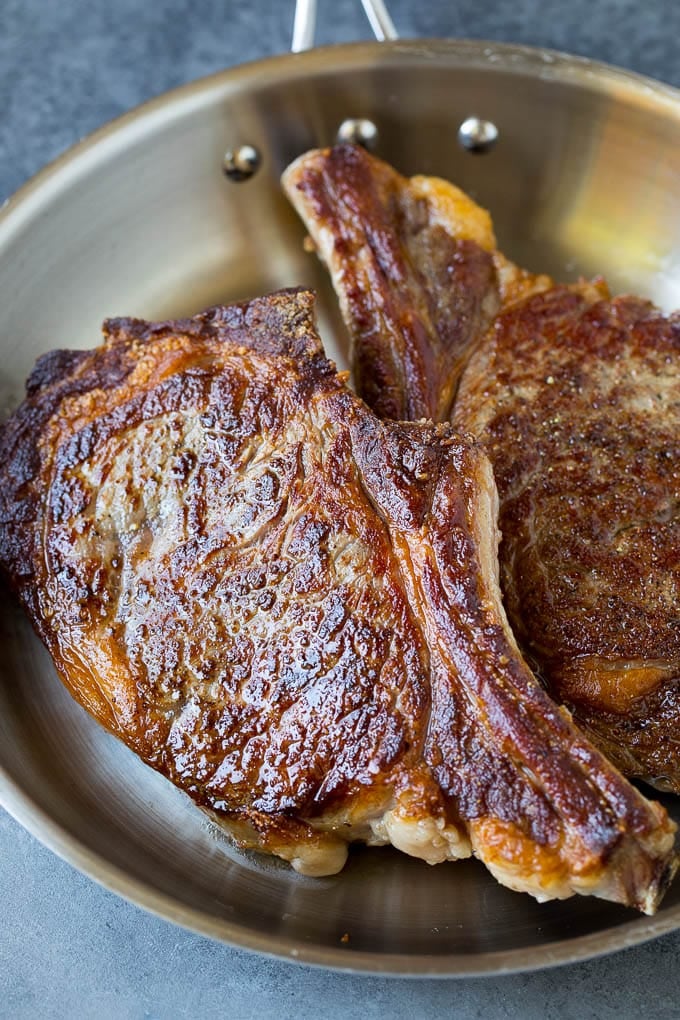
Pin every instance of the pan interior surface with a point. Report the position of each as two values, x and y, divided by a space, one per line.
140 220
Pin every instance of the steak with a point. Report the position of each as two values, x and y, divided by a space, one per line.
290 608
577 400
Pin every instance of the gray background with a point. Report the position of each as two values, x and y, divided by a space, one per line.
67 947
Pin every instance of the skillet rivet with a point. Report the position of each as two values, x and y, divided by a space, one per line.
358 131
240 164
477 135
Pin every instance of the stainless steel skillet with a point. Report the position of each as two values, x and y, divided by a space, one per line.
140 219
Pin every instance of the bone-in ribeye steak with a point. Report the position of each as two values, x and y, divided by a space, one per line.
290 608
576 399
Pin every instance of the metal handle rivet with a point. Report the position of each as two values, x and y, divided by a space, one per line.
358 131
240 164
477 135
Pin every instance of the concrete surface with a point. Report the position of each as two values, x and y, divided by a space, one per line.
69 949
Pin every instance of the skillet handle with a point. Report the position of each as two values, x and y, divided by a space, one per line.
304 24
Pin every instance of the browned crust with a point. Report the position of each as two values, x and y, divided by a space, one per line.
264 361
277 325
414 294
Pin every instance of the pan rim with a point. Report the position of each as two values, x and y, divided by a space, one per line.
549 64
118 134
69 848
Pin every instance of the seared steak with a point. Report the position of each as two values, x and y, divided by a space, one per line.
291 609
577 401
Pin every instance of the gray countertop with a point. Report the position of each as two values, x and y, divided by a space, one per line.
67 947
